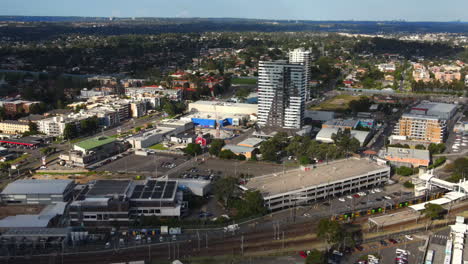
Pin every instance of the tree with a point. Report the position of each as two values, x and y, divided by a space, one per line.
419 146
361 105
70 131
33 128
268 149
330 231
304 160
227 154
408 184
433 211
436 148
224 189
405 171
345 141
242 93
216 146
252 204
315 257
193 149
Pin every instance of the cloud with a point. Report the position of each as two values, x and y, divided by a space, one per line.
183 13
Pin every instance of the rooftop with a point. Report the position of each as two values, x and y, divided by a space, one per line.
342 122
103 188
238 149
38 232
296 179
405 153
37 187
155 189
94 142
251 141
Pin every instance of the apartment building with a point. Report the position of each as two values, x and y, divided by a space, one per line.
426 122
281 94
421 128
304 57
13 127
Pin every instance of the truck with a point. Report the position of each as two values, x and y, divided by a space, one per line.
164 230
231 228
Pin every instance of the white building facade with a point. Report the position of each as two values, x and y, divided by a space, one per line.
302 56
281 94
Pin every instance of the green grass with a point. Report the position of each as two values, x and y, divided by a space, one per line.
243 81
337 103
159 146
17 160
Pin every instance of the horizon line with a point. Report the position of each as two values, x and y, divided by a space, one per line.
246 18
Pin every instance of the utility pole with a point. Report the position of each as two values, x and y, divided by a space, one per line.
283 239
242 245
198 235
206 236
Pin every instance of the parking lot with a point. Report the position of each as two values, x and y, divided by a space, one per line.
457 143
236 168
154 164
385 250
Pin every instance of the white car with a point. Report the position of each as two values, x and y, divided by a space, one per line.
409 237
387 197
377 190
349 197
372 191
341 199
362 193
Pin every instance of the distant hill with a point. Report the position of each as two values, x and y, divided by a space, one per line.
39 27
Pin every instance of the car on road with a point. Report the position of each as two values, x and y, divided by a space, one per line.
359 248
342 199
356 195
383 243
393 241
361 193
409 237
303 254
349 197
387 197
377 190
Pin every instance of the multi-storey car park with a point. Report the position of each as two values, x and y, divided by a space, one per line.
302 186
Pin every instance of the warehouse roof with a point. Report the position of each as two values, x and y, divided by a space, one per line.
238 149
251 142
278 183
405 153
325 134
95 142
37 187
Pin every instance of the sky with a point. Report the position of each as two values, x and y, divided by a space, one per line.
375 10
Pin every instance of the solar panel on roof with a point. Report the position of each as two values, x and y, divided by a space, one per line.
138 188
136 195
156 195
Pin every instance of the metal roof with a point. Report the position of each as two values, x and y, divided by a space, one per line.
238 149
94 142
251 142
37 187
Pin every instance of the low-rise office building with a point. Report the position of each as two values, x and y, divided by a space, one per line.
164 131
93 150
407 157
303 186
37 191
111 202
